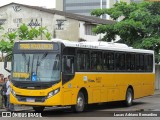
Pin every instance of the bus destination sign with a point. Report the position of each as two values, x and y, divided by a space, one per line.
35 46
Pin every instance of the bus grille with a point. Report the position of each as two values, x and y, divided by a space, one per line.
35 98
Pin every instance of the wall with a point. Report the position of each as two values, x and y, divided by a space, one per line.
88 37
2 70
12 16
157 82
69 29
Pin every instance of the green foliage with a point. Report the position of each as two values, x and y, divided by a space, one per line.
138 26
10 36
23 33
5 46
48 35
152 43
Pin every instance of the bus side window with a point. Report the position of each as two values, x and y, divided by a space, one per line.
150 63
96 61
83 60
68 64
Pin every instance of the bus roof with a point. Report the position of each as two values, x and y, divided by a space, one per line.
94 45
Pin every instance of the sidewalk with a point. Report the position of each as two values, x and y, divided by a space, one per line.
18 108
157 92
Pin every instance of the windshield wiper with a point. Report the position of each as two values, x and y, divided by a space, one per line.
39 61
37 65
24 56
27 62
43 57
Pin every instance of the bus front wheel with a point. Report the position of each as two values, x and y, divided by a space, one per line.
80 103
38 108
129 97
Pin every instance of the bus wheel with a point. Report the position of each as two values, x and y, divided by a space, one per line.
80 104
38 108
129 97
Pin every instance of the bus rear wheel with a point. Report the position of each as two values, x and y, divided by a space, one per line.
80 103
38 108
129 97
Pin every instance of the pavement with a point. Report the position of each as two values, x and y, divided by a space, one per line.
157 92
27 108
18 108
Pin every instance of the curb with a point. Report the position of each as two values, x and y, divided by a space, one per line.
157 92
17 109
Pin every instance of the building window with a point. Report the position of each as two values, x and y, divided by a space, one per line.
137 1
116 1
88 29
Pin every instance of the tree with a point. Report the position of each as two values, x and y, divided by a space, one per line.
139 25
22 33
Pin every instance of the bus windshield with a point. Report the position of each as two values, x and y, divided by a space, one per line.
41 67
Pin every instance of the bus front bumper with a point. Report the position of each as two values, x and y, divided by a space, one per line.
36 100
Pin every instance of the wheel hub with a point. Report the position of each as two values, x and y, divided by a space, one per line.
80 102
129 98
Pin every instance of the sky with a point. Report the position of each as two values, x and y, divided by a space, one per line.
41 3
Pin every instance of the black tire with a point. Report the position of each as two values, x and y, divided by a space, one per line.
38 108
80 103
129 97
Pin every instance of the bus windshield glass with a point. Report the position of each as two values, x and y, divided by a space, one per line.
41 67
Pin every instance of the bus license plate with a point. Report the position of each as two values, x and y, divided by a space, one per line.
30 99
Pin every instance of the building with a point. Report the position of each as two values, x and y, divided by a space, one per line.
136 1
84 7
59 23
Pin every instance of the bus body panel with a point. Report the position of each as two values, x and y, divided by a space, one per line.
111 87
23 94
104 87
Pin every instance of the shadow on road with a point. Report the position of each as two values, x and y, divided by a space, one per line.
94 110
112 105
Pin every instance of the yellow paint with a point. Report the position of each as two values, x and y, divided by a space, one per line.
101 87
20 75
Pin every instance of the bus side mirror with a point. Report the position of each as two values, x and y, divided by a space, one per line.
6 60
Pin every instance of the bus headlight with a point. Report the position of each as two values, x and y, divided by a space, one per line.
52 93
13 93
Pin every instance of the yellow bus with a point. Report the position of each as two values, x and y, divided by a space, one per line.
66 73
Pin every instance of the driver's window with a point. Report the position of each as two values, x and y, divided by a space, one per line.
68 64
